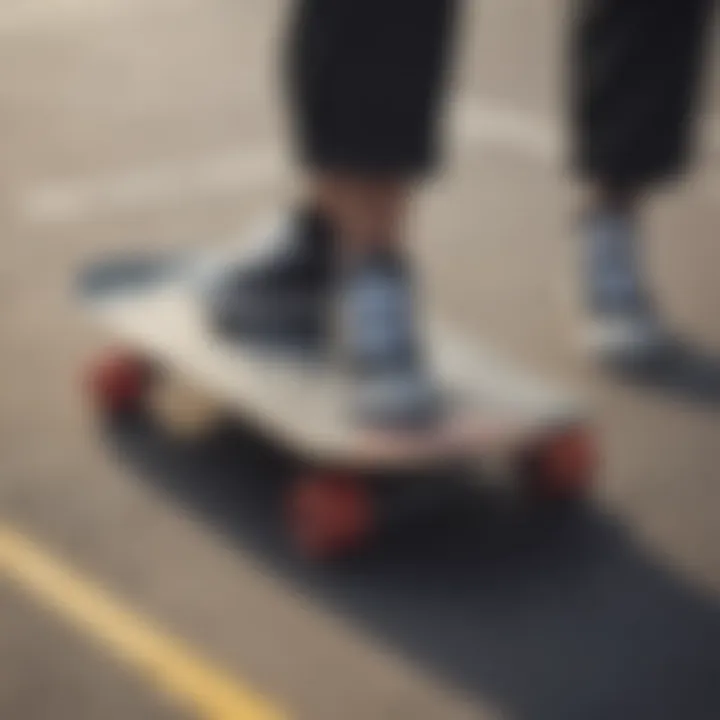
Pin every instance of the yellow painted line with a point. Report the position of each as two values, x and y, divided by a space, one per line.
170 665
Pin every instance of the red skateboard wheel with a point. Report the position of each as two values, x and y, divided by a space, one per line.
118 380
563 465
329 515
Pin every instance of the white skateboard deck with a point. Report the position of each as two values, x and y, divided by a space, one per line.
496 409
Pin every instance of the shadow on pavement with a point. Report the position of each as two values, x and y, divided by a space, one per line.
690 374
573 622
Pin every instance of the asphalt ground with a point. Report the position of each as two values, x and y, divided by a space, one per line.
145 582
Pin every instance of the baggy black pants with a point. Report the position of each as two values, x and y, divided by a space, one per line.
367 77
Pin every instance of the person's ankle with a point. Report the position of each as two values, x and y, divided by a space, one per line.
619 198
613 203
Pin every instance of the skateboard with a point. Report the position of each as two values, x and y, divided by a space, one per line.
167 360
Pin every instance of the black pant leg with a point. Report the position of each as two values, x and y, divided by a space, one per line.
366 79
636 67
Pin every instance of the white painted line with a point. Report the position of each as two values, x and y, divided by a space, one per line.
478 123
243 169
485 124
475 124
237 171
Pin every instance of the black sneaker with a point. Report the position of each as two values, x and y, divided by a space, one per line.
391 386
279 292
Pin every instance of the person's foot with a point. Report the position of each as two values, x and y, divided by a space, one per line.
280 293
392 388
623 326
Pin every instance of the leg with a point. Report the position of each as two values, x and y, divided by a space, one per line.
636 69
365 78
365 82
366 95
